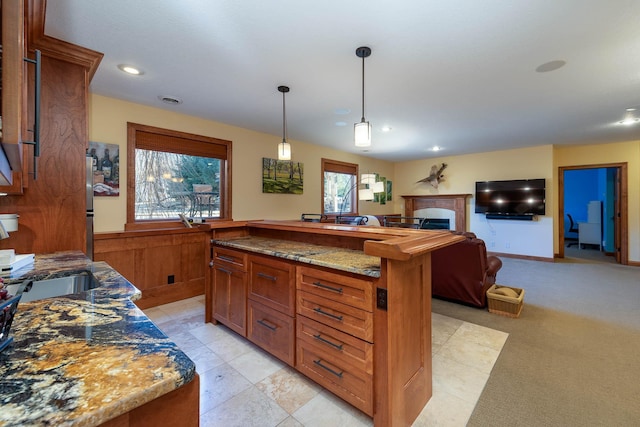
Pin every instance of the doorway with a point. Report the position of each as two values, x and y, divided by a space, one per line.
608 198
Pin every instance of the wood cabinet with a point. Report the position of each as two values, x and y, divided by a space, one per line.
166 265
363 335
12 89
53 208
230 289
271 322
180 407
335 333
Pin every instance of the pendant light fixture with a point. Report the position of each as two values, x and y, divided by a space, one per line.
284 148
362 130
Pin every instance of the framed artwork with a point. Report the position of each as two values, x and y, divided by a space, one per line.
106 168
383 195
282 176
389 190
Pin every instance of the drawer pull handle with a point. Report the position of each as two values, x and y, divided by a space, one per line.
326 341
224 270
333 316
319 363
226 258
266 325
266 276
327 287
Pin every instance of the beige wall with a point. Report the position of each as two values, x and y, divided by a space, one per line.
108 119
531 238
108 122
534 162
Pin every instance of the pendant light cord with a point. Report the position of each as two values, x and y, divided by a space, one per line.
284 119
363 88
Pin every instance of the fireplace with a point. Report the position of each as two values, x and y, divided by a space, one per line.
450 207
436 224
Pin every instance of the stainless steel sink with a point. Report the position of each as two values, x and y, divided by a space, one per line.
33 290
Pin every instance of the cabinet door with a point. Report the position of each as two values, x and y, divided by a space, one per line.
13 66
230 298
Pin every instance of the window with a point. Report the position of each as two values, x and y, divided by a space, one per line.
173 173
339 187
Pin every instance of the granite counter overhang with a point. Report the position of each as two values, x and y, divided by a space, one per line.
342 259
83 359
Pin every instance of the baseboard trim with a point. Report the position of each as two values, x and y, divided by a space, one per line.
517 256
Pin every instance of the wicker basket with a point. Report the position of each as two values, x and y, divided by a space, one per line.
505 305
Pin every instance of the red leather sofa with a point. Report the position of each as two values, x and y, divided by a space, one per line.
463 272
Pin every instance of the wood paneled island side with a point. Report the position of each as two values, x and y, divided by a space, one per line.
348 306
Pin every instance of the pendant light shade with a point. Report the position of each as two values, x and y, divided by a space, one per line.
368 178
362 130
378 187
366 194
284 148
362 134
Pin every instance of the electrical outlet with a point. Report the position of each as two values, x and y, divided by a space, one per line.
171 279
507 245
381 298
492 244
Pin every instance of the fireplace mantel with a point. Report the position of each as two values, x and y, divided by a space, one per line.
454 202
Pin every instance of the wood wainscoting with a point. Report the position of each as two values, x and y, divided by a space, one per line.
454 202
166 265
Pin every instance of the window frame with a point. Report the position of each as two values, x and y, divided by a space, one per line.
166 140
336 166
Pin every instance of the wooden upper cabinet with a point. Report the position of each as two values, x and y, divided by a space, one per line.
13 87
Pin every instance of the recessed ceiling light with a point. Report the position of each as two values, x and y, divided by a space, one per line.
341 123
551 66
631 109
171 100
342 111
436 148
130 69
386 128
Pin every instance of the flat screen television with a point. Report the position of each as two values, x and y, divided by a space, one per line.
514 197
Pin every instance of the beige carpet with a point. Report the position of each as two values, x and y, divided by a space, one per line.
572 358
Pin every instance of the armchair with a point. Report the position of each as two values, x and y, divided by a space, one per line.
463 272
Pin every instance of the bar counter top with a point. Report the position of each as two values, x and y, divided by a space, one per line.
325 256
83 359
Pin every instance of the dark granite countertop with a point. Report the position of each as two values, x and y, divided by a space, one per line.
325 256
82 359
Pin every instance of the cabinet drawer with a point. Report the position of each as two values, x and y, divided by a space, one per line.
350 384
335 344
272 330
271 283
345 318
337 287
230 258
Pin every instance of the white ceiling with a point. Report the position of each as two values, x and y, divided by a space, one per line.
458 74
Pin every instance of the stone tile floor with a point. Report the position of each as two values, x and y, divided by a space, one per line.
241 385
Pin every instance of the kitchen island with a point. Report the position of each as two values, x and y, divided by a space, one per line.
91 358
347 306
